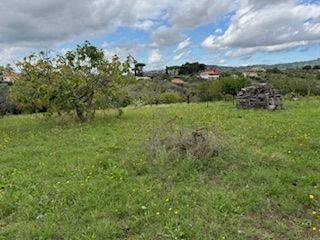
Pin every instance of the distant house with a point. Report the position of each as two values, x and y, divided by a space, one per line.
253 72
9 77
210 74
177 81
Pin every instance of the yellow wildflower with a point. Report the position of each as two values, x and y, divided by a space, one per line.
311 196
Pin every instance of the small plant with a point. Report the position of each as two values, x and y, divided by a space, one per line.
315 208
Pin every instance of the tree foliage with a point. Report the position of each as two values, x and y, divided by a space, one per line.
216 90
80 82
232 85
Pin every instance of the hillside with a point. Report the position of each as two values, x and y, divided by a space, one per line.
294 65
282 66
64 180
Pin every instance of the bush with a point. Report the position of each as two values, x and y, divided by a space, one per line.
170 97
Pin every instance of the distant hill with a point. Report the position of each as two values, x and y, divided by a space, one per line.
293 65
281 66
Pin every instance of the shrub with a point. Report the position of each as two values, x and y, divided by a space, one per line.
150 99
170 97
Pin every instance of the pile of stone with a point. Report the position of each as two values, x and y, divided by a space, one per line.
259 96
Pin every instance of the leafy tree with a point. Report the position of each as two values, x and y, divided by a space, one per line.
232 85
80 81
274 70
316 67
191 68
209 91
307 67
216 90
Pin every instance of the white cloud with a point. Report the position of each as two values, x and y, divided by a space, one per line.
122 50
144 25
189 14
47 23
155 56
164 36
274 48
182 55
184 44
10 55
209 42
268 26
43 23
223 62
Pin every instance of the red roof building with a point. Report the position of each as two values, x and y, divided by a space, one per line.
211 73
9 77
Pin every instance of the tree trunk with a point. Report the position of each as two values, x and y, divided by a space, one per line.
80 114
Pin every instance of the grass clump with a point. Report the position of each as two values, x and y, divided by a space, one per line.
202 144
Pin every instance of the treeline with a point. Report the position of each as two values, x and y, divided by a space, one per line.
299 82
187 68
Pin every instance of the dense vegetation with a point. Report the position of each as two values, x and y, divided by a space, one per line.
65 180
305 82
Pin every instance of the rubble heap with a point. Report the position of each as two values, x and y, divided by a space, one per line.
259 96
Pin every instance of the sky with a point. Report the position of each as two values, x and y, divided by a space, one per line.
165 32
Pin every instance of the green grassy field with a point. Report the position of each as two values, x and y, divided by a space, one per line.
64 180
